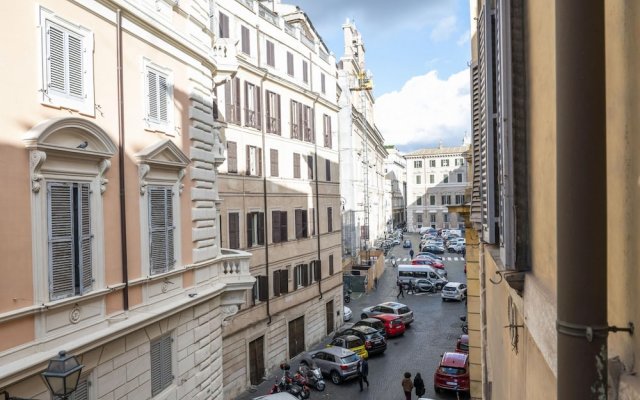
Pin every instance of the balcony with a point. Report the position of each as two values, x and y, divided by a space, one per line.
290 29
247 3
268 16
224 55
308 42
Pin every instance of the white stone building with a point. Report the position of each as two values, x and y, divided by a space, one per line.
395 196
436 178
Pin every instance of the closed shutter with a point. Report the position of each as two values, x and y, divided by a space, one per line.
296 274
289 63
305 274
305 71
152 95
246 43
296 165
258 103
259 161
329 219
331 264
86 259
312 218
273 158
323 83
328 170
263 288
161 364
223 32
232 157
261 228
270 54
310 166
56 64
276 283
284 281
283 226
61 240
82 391
234 231
65 67
161 229
275 226
298 222
236 101
76 69
248 159
317 265
250 229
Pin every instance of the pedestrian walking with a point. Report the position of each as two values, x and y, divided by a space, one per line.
411 253
464 251
412 287
363 371
407 385
400 290
418 384
375 283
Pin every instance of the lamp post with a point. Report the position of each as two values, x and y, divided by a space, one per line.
61 376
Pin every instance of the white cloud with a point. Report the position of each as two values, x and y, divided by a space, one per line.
444 29
464 38
426 110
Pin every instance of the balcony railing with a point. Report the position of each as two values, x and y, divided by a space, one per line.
267 15
324 56
308 42
247 3
290 29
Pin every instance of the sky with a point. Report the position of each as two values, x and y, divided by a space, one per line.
418 52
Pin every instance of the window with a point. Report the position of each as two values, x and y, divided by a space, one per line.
279 226
432 178
323 83
254 161
82 390
280 281
331 264
432 163
296 165
301 224
307 124
261 288
234 230
301 276
255 229
273 112
159 96
418 179
70 239
252 111
67 64
273 158
417 164
290 64
326 129
315 271
329 219
432 200
419 218
446 199
444 163
161 354
232 157
312 218
232 100
223 26
459 161
459 199
161 229
433 218
305 71
246 40
419 200
327 167
296 117
459 177
445 217
310 167
271 54
445 178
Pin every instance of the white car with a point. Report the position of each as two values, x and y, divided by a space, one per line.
346 313
454 291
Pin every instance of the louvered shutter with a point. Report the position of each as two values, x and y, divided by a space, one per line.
258 104
312 124
152 84
276 283
298 222
161 229
296 283
81 392
289 63
267 111
248 163
161 364
247 117
228 102
305 225
250 229
329 219
283 227
328 170
305 72
167 374
236 101
86 236
259 161
246 43
305 275
273 158
234 231
56 58
263 288
76 68
163 99
224 26
61 240
261 228
278 116
317 265
275 226
296 165
331 264
312 218
232 157
284 281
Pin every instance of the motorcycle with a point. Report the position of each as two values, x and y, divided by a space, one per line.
287 384
393 262
310 376
465 324
347 295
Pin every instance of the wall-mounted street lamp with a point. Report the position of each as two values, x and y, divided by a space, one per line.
61 376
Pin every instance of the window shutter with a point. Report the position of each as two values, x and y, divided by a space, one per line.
161 229
273 158
268 111
250 229
258 116
329 219
228 102
81 392
328 170
305 225
60 210
86 262
232 157
259 161
305 274
236 101
317 265
289 63
248 163
276 283
296 283
296 165
310 166
305 72
283 226
331 264
224 26
234 231
312 218
76 69
167 375
275 226
55 39
152 84
278 116
247 119
246 44
156 367
163 98
322 83
298 222
261 228
270 54
284 281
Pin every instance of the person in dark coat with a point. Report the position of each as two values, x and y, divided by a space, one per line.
400 290
407 385
363 371
418 384
411 253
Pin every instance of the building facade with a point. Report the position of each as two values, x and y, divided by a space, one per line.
395 168
110 241
362 151
436 179
279 186
555 172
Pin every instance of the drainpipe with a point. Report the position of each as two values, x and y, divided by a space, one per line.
317 213
121 155
581 199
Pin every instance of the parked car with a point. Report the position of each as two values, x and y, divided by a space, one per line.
427 285
346 313
351 342
396 241
462 345
336 362
406 244
426 253
277 396
373 323
452 373
427 260
393 324
454 291
433 249
374 342
389 307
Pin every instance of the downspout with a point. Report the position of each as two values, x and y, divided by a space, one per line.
264 179
581 199
315 143
121 155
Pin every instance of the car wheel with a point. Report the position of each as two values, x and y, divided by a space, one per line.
363 316
436 389
335 377
439 286
443 299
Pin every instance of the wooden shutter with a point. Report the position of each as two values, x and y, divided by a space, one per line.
276 282
305 274
296 283
248 160
161 364
82 391
296 165
329 219
56 64
298 223
328 170
271 60
263 288
273 158
312 218
290 64
163 98
86 236
260 228
284 281
278 116
310 166
232 157
76 68
228 102
246 42
275 226
305 71
61 240
250 229
161 229
323 83
152 84
283 227
268 111
258 107
234 231
331 264
223 32
247 118
317 266
305 225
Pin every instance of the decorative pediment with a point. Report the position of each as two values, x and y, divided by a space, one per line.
164 153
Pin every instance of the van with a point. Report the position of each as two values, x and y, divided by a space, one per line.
408 272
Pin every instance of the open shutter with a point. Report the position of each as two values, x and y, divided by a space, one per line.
268 107
276 283
55 39
163 99
263 288
283 226
61 258
249 229
248 161
247 119
86 262
259 161
296 283
257 102
273 158
261 228
152 84
232 157
305 275
275 226
76 68
278 116
296 165
167 375
228 102
298 222
284 281
317 265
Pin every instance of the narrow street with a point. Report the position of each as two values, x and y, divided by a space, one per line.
434 331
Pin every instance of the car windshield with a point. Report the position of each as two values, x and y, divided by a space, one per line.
403 310
349 359
449 289
463 346
452 370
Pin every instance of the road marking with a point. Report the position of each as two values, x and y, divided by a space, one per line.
455 258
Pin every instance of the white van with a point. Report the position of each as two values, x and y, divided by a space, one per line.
408 272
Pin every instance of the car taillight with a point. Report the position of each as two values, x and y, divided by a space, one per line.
344 367
367 344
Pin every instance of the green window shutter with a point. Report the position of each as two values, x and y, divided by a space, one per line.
76 69
161 229
284 281
86 236
276 283
250 229
152 84
61 239
284 236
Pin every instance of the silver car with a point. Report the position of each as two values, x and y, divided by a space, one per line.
338 363
389 307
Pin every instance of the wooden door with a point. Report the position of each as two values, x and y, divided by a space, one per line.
256 360
296 337
329 312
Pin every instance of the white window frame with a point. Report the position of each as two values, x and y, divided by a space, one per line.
85 104
151 124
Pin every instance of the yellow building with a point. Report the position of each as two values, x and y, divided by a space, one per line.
554 200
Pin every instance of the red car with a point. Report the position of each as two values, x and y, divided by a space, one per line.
393 324
462 346
420 260
452 373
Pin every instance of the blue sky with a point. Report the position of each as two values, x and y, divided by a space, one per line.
417 51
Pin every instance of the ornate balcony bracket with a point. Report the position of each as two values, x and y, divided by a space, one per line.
224 55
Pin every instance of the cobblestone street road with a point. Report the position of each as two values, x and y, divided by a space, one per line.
435 330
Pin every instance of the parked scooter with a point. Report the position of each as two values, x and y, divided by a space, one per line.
465 324
287 384
347 295
310 376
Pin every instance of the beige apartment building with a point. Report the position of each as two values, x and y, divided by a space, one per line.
109 237
555 190
279 187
